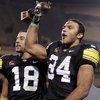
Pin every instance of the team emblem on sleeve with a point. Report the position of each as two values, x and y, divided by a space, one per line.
1 63
91 54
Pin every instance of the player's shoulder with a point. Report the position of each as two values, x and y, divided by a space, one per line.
91 53
54 43
88 45
7 56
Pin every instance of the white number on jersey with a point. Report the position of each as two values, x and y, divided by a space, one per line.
52 66
27 78
62 69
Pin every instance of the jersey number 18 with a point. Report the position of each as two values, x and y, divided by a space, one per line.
27 78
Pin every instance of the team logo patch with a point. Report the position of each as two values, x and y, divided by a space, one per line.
71 51
91 54
56 50
34 62
12 62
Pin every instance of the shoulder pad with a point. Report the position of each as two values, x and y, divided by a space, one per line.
5 56
52 43
89 45
49 45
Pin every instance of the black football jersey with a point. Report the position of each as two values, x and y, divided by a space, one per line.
26 77
64 64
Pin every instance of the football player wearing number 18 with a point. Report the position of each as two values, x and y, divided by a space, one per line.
24 74
71 64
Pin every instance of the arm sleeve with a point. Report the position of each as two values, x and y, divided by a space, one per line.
90 56
1 65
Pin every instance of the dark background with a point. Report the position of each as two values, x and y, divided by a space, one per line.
85 10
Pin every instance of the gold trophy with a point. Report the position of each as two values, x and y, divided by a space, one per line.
40 9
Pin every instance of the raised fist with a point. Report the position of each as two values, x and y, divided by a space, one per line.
42 8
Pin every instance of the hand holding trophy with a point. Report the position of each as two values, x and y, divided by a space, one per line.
40 9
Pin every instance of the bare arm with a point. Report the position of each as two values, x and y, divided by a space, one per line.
84 82
32 45
4 92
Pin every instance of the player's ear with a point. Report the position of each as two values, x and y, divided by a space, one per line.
79 35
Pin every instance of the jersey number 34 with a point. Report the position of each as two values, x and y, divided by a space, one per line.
62 69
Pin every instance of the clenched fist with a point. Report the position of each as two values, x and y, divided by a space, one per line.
40 9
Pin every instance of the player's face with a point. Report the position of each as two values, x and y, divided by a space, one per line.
69 32
20 42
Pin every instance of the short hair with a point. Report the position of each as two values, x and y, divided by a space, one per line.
81 25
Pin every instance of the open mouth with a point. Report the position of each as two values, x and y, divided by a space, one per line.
17 46
63 35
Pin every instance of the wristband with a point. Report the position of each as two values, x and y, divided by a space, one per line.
36 19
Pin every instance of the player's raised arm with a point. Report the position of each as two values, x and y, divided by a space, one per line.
32 45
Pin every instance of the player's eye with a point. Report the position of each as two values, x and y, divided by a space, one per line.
70 27
22 38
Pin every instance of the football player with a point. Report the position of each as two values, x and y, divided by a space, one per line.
71 64
23 75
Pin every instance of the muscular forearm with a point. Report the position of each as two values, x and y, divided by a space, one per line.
84 82
77 94
31 44
32 35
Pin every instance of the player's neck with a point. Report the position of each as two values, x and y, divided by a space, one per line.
77 42
25 56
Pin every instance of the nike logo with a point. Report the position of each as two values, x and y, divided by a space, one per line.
71 51
34 61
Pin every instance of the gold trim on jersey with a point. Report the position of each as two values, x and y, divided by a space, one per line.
91 54
1 63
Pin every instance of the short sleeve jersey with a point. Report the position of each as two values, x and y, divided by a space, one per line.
63 67
26 78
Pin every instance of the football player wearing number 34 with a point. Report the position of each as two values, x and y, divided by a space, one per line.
71 64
